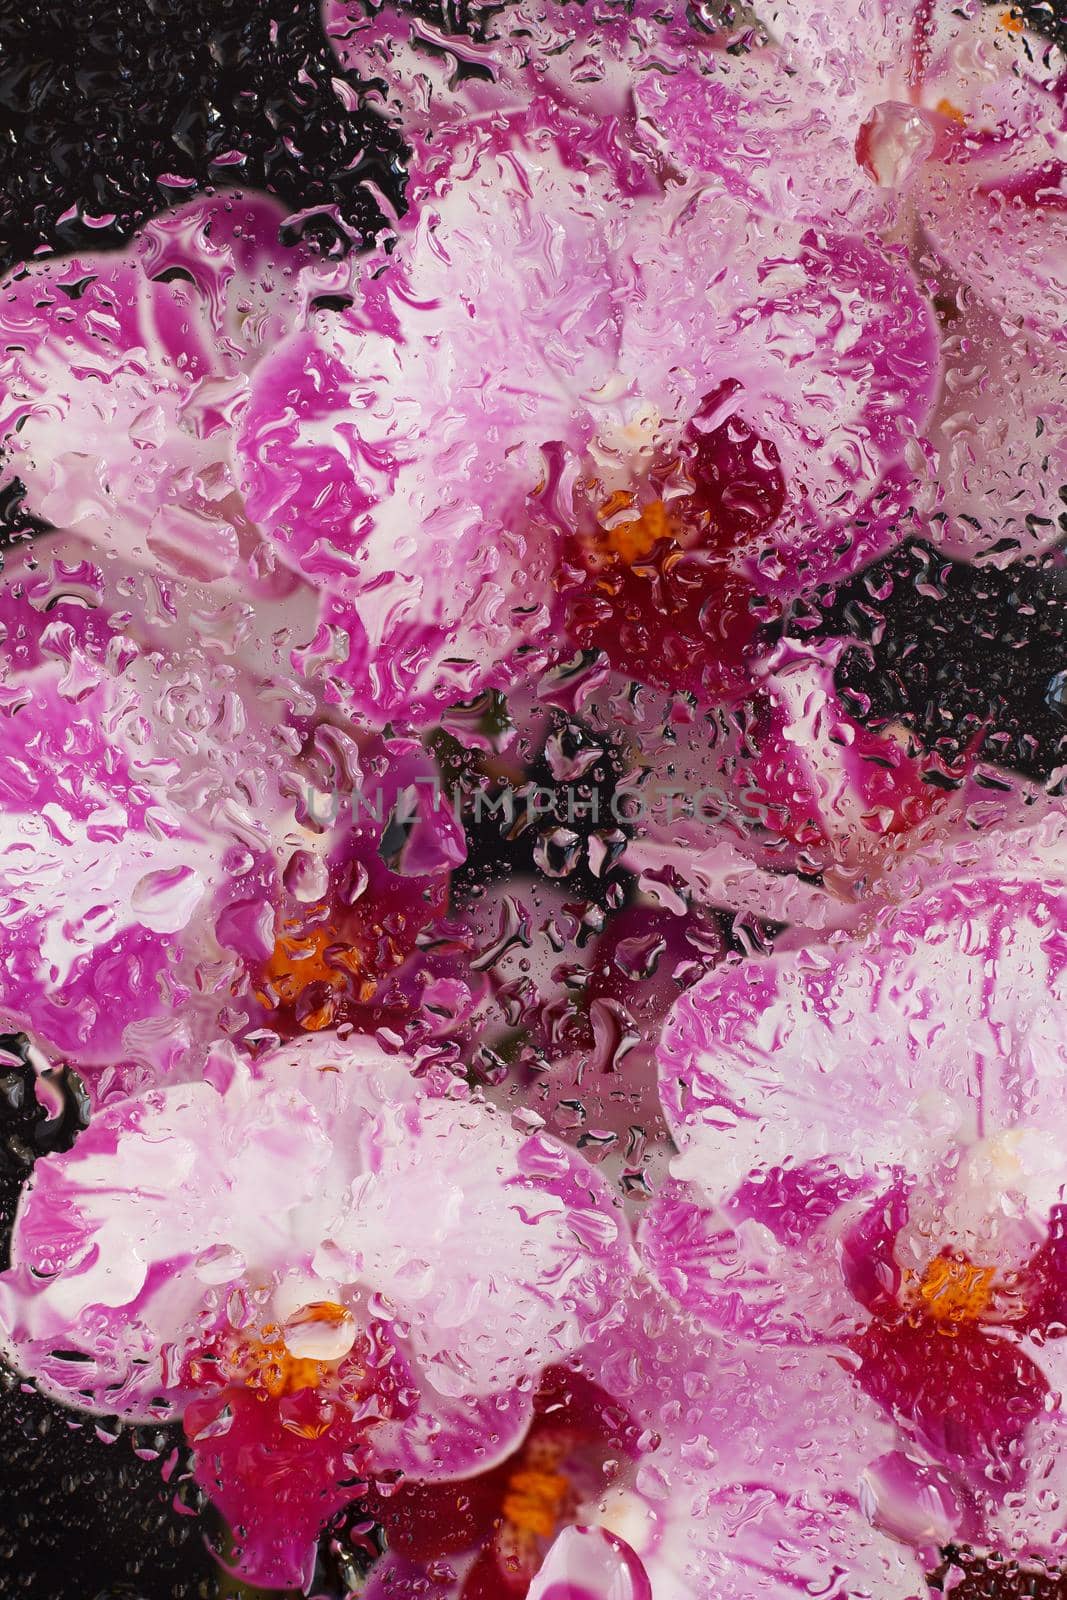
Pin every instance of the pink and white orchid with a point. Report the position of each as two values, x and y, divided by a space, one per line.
869 1160
933 125
868 117
152 892
530 420
937 124
570 398
653 1474
630 1208
325 1268
111 873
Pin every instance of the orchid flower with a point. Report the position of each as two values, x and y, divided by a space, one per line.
328 1270
556 406
809 817
943 125
857 116
151 892
646 1475
937 125
869 1164
579 440
109 879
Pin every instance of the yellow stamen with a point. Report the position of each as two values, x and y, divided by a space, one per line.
534 1501
267 1361
298 961
315 1021
954 1290
635 537
1011 21
301 960
329 1311
269 1369
953 112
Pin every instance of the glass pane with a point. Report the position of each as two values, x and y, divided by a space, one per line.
533 870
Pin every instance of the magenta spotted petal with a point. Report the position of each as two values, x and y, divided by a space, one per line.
777 126
107 881
754 1475
858 1036
575 65
870 117
389 453
121 376
823 345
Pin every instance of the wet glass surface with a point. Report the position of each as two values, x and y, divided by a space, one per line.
533 867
